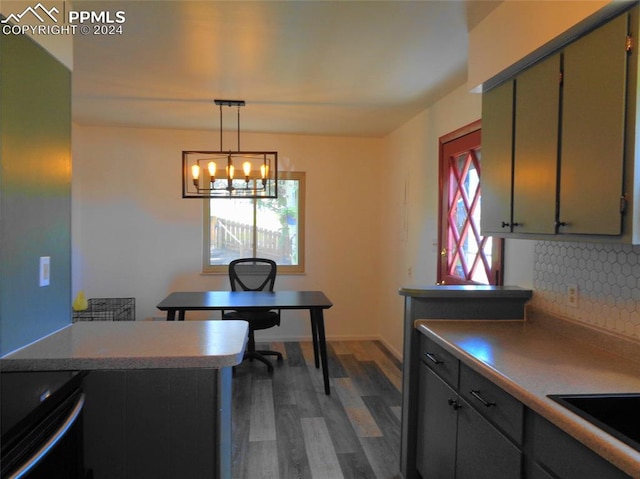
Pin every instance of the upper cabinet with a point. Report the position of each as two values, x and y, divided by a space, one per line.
537 106
593 126
558 156
496 163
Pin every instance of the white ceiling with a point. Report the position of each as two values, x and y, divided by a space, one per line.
311 67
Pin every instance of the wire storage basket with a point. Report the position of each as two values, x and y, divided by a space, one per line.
107 309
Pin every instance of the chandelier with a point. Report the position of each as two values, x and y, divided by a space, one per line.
229 174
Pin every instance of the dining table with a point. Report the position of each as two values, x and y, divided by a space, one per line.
178 303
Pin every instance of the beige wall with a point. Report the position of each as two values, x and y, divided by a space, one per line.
410 236
522 31
371 218
133 234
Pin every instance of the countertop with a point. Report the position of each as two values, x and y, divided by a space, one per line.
542 355
134 345
459 291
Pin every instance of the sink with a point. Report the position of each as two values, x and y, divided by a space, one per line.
617 414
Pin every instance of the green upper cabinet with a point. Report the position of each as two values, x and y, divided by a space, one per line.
593 125
536 147
496 163
570 161
520 127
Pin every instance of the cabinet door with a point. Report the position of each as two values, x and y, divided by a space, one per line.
436 448
536 147
496 162
483 452
537 472
592 141
565 457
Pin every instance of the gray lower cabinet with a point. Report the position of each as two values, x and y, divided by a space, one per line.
469 428
442 302
483 452
455 438
437 427
157 423
562 456
536 472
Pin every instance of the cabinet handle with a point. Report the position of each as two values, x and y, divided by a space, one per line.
476 394
433 358
506 225
560 224
454 403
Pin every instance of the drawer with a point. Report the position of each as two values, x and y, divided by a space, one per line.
499 407
440 361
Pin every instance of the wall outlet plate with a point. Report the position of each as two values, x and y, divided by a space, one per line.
572 295
45 270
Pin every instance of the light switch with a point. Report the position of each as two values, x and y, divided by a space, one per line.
45 266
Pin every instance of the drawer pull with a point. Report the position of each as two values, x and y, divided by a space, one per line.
454 403
433 358
476 394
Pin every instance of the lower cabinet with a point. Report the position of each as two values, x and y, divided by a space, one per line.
469 428
563 456
456 439
482 451
157 423
437 427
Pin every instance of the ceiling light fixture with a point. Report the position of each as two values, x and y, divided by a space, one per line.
229 174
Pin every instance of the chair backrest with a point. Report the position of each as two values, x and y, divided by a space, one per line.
252 274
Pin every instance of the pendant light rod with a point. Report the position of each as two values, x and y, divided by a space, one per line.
221 103
238 128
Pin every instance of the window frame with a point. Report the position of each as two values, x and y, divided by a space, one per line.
300 177
465 139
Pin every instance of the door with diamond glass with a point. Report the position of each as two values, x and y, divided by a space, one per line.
466 257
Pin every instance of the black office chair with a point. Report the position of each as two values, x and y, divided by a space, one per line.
255 274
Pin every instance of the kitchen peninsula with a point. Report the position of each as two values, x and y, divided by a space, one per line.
158 394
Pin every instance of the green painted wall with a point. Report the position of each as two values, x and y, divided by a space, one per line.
35 191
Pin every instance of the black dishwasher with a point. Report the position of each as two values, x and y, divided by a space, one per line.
42 431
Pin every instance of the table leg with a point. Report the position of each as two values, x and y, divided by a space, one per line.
171 314
314 335
181 314
317 318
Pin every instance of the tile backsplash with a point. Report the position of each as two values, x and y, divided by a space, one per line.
607 277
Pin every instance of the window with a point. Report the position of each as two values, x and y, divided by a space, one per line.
265 228
466 257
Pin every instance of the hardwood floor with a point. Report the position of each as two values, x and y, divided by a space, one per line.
284 426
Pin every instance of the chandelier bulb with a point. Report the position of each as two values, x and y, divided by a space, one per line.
212 170
195 172
246 167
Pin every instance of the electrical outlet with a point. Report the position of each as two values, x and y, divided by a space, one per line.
572 295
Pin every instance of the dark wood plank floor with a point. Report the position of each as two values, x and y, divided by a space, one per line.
284 426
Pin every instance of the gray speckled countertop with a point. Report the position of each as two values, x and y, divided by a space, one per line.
544 355
460 291
134 345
